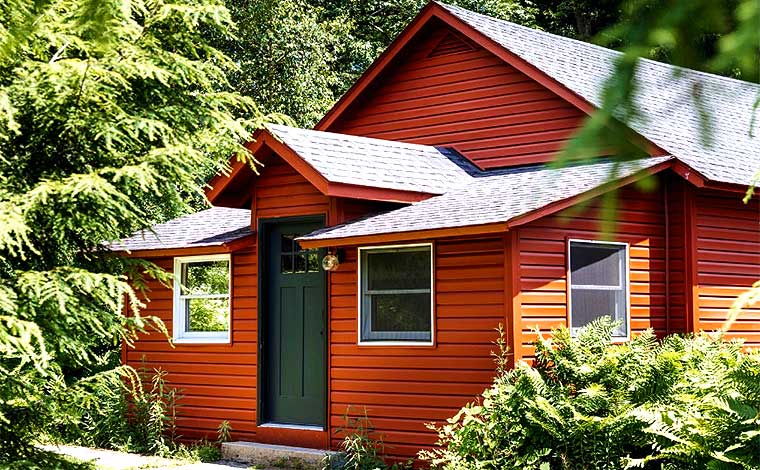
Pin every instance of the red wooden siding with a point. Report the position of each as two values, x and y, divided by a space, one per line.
728 261
217 381
676 234
543 248
466 98
402 388
281 191
451 43
710 239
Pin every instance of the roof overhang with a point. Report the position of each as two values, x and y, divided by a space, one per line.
434 10
500 227
265 139
226 247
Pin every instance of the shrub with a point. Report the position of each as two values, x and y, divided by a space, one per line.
127 409
360 450
680 403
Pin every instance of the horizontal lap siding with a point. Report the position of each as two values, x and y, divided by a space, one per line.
217 382
281 191
353 209
543 248
402 388
469 99
728 261
677 198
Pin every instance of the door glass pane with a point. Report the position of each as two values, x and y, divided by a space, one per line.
207 315
286 263
593 264
206 277
300 262
401 269
313 264
591 304
286 243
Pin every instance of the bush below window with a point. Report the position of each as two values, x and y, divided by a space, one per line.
679 403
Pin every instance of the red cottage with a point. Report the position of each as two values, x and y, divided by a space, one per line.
368 265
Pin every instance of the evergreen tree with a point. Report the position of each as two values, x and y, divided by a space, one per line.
111 115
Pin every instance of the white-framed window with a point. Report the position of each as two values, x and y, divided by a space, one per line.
202 286
598 280
396 295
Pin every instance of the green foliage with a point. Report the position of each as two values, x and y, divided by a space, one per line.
133 411
286 56
205 452
375 23
298 56
682 403
111 116
360 449
223 431
580 19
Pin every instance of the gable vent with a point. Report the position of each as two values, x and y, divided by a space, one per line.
451 44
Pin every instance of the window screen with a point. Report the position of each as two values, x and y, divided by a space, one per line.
396 299
598 284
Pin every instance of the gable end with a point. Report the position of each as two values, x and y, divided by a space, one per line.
443 90
451 44
425 88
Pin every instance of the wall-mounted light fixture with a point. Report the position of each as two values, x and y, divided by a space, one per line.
332 260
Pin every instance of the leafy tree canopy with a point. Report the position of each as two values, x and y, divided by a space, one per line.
111 115
298 56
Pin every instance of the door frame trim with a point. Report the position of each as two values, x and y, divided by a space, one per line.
262 268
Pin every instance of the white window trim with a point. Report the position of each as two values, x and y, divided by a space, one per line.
179 335
626 286
360 300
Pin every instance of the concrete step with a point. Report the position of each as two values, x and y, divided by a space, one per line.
276 456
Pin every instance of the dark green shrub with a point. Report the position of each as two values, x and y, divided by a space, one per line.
680 403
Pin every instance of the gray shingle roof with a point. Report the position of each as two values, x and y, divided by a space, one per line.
210 227
671 118
497 196
377 163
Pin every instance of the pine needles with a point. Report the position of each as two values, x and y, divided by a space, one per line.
112 117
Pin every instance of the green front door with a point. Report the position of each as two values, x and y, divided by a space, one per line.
293 340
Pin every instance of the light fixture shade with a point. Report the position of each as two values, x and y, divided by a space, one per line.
330 262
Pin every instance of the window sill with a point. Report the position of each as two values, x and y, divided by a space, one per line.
412 344
225 340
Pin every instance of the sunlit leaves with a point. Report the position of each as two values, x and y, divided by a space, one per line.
683 402
112 114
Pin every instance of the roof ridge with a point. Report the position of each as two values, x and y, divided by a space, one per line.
598 46
387 165
193 214
398 143
579 164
